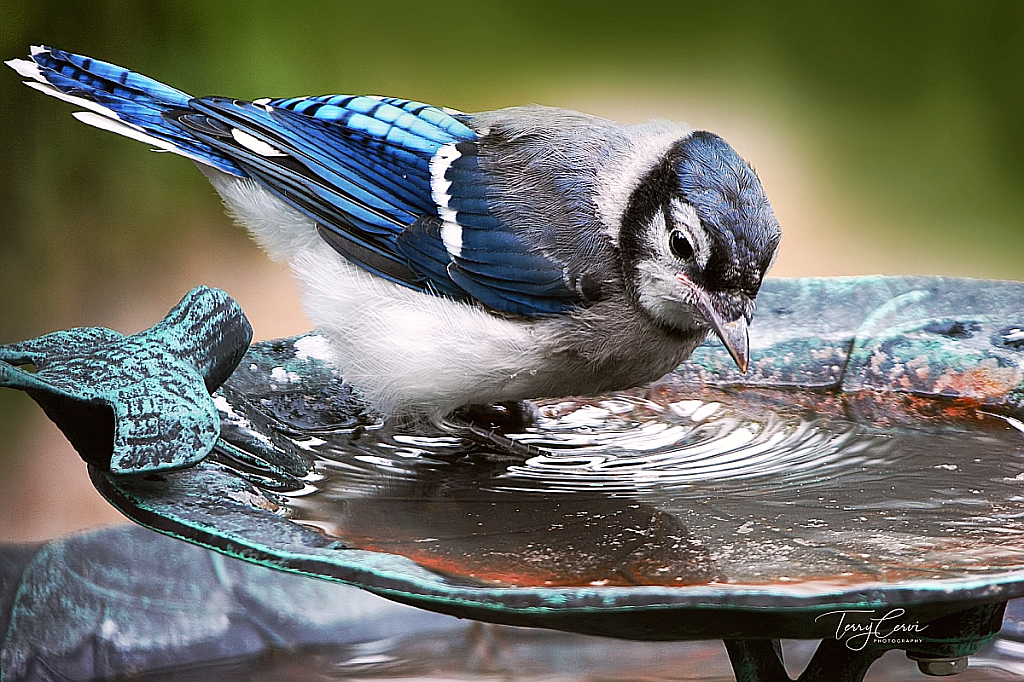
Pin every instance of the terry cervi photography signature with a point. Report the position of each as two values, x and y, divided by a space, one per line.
857 628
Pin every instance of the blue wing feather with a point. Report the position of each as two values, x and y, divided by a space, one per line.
95 76
326 175
494 265
421 244
317 150
493 256
358 166
421 119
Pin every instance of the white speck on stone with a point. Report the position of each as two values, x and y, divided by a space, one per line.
310 443
280 376
251 499
108 628
1014 335
222 404
313 347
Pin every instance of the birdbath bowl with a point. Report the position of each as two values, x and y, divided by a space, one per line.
862 484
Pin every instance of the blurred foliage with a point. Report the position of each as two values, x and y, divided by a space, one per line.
917 105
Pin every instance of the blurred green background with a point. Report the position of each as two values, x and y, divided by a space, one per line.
889 136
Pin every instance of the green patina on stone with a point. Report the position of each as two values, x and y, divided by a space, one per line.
140 403
869 339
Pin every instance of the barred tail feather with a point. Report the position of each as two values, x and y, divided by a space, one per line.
118 100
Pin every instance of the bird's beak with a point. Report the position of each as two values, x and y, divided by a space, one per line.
733 333
734 336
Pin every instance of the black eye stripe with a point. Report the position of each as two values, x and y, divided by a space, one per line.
667 212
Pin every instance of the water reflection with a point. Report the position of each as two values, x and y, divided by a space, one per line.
450 518
632 492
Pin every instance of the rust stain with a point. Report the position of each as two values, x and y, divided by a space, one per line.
881 407
987 379
492 570
889 408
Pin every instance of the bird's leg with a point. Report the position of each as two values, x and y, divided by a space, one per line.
511 416
487 425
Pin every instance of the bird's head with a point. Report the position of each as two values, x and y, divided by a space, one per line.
697 238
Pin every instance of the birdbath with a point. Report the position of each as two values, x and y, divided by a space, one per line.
862 484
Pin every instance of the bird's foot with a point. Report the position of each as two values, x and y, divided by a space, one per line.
512 416
488 425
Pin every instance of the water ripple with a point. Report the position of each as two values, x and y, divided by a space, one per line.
675 452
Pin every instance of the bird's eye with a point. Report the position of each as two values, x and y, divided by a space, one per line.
679 245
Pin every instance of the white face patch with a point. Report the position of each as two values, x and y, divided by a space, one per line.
659 290
451 231
663 298
627 164
254 144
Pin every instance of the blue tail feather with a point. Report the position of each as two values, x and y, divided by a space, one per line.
97 78
123 98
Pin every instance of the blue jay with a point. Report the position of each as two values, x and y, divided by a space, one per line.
456 259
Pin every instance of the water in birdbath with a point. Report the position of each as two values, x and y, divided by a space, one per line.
687 490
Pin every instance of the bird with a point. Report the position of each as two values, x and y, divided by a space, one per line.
456 259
